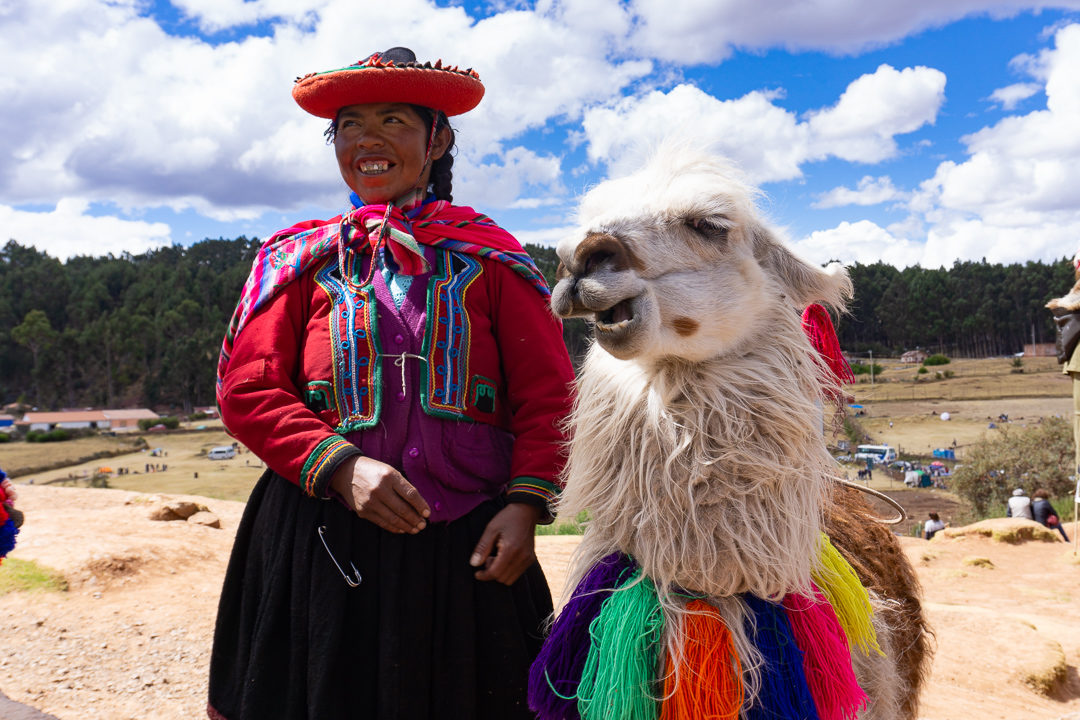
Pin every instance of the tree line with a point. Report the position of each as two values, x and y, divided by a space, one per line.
145 330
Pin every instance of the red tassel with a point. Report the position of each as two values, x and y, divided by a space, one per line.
710 684
826 657
819 329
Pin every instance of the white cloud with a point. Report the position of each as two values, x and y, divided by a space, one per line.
708 30
861 241
110 108
1010 96
868 191
1017 195
500 185
547 236
68 231
767 141
874 109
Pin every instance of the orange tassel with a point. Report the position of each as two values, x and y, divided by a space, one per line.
710 683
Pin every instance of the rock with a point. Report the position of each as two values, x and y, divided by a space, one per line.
163 513
205 517
1007 530
176 510
185 508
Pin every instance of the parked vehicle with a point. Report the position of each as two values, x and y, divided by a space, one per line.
877 453
224 452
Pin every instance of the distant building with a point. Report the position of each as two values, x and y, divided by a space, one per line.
128 420
1040 350
67 419
118 420
913 356
209 411
7 423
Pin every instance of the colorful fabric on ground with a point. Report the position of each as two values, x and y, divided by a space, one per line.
374 228
620 675
556 672
826 657
785 694
8 531
706 680
848 598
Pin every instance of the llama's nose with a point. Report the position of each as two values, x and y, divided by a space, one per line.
601 251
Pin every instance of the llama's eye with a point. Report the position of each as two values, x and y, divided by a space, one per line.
714 229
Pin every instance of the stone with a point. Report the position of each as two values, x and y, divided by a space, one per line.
205 517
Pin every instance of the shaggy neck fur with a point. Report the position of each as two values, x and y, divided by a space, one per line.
712 475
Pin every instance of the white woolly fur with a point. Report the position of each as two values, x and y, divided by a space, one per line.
699 453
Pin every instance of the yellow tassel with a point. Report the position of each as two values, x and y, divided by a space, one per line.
850 600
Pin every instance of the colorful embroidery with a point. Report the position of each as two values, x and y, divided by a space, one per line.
357 381
446 340
321 459
548 492
483 396
317 395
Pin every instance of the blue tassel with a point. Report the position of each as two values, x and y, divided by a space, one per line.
8 531
785 694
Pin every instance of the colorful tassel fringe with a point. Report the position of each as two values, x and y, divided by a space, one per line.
602 657
849 599
826 657
619 678
784 693
709 683
556 672
822 335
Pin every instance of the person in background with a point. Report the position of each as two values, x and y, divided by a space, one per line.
1019 505
400 372
932 526
1045 514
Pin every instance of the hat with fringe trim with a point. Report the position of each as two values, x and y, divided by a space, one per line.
391 76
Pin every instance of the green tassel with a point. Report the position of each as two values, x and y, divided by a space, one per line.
840 584
620 676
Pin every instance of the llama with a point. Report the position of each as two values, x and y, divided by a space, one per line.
698 455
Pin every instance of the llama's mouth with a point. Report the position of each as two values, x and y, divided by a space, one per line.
617 317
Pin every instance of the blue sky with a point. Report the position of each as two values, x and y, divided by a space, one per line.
914 132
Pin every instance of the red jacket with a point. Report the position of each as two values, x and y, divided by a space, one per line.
292 391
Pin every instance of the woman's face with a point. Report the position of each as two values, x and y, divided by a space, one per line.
380 150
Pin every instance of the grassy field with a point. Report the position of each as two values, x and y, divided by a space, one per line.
897 409
186 470
906 413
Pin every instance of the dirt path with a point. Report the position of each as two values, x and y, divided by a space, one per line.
131 637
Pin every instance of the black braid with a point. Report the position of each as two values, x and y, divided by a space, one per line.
442 173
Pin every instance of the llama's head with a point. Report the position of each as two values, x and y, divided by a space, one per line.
674 261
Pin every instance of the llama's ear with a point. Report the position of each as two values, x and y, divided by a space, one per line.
803 283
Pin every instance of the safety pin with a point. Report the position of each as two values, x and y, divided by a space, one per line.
348 580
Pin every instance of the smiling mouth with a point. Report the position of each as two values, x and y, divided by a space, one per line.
373 167
616 317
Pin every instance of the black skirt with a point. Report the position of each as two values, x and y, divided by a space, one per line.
420 637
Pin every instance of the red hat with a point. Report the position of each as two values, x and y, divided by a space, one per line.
391 76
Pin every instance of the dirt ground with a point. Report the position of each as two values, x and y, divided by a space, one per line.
131 637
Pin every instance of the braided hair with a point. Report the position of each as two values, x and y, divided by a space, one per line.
442 174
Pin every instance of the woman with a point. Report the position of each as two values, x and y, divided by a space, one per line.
399 372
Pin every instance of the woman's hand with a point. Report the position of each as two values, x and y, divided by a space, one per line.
377 492
506 549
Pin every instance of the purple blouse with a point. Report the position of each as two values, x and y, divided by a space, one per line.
455 465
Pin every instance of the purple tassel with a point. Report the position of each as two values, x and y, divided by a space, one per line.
556 672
